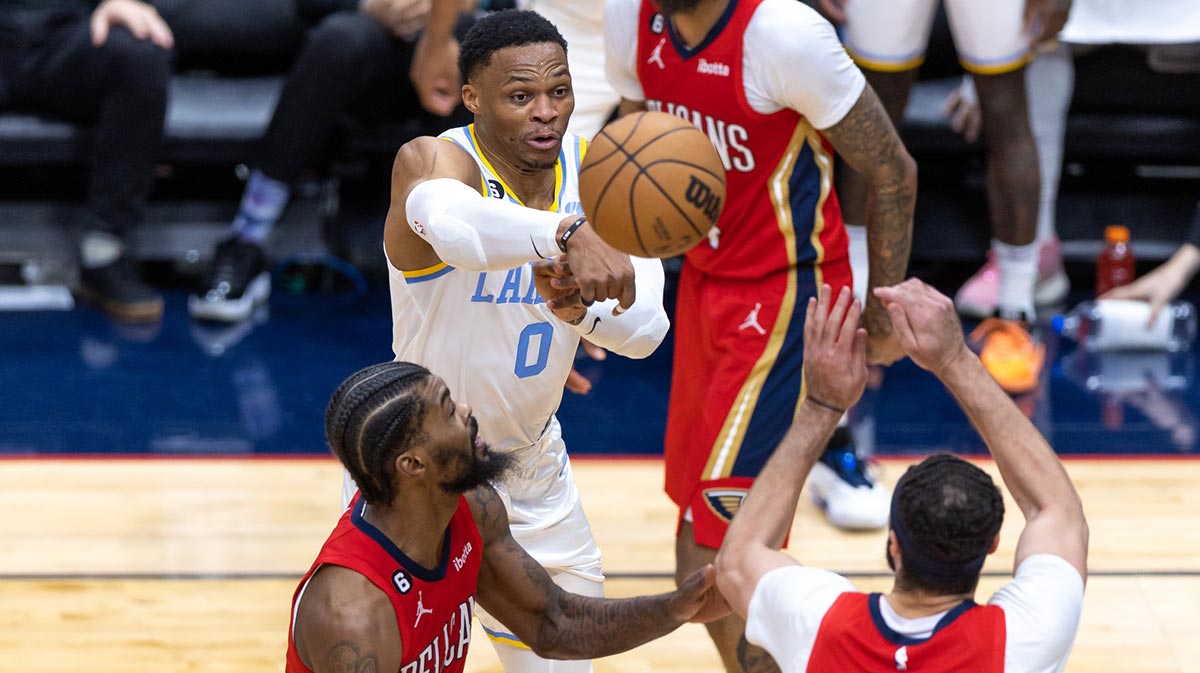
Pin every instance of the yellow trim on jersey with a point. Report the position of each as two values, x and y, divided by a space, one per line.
724 452
998 68
482 178
558 174
507 641
417 274
885 66
583 147
825 163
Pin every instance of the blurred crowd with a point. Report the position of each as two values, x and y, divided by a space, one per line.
107 66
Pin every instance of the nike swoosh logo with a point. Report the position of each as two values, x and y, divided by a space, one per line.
595 324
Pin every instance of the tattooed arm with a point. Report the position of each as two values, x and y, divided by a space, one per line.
866 139
557 624
345 624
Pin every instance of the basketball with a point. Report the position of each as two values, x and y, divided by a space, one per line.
652 184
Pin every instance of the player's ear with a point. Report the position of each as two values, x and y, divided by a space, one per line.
410 464
470 96
995 544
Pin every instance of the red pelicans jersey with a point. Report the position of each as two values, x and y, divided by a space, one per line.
854 637
433 606
780 210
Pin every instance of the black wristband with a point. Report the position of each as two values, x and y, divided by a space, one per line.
566 235
830 407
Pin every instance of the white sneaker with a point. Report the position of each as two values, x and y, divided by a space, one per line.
851 499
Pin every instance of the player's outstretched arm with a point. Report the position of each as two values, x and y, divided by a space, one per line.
635 333
556 624
931 335
437 214
835 373
346 623
866 139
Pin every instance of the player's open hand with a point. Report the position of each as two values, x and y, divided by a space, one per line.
926 323
697 599
601 271
1162 285
835 349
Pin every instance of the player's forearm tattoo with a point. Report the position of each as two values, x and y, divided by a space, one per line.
866 140
755 659
583 627
348 657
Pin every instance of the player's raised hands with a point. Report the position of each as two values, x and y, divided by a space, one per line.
697 599
926 323
835 353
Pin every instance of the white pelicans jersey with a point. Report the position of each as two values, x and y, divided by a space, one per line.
490 335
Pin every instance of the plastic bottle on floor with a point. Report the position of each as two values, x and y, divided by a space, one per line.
1114 266
1120 324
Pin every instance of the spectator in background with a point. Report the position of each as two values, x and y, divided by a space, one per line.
1162 285
581 22
355 60
888 39
106 66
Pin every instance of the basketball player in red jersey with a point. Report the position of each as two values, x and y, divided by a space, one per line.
771 85
945 520
395 585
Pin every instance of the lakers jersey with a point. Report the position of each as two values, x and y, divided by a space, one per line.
489 335
433 605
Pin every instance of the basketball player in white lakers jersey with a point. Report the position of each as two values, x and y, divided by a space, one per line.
474 213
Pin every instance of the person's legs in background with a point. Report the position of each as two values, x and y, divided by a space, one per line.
120 89
1049 83
350 63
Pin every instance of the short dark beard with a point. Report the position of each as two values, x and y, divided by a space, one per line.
670 7
480 472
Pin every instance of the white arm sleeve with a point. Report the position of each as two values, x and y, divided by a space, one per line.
786 610
1041 607
636 333
793 59
470 232
621 48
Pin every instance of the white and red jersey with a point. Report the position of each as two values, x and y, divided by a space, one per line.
812 621
762 112
433 605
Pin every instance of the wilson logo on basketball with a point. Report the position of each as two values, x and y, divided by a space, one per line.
699 194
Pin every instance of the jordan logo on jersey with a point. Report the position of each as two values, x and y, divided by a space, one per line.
421 609
656 55
449 645
751 321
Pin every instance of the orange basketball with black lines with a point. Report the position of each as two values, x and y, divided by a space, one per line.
652 184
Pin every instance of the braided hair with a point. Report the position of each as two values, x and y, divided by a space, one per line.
952 510
503 29
372 418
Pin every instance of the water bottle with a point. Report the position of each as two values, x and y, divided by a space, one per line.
1114 266
1121 324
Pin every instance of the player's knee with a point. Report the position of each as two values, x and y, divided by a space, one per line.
134 64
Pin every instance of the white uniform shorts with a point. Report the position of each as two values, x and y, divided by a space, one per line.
891 35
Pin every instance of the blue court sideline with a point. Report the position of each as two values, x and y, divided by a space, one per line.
73 382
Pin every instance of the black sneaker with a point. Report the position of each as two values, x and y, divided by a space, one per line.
238 281
118 291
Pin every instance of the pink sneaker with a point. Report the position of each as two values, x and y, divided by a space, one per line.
978 296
